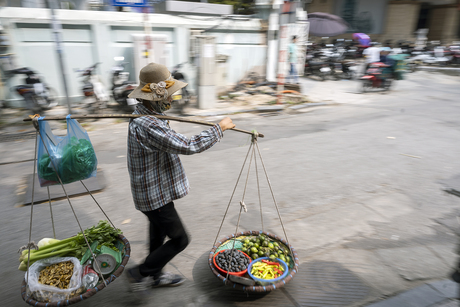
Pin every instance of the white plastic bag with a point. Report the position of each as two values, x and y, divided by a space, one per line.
46 293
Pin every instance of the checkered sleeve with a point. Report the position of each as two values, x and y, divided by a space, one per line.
161 137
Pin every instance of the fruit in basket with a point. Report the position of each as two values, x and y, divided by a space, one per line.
265 269
232 261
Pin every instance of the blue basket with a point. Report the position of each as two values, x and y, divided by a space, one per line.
264 282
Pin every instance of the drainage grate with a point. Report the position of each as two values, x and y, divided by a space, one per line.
321 283
16 136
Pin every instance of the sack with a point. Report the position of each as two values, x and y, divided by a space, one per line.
73 155
46 293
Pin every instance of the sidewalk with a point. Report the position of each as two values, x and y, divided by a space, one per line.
443 293
365 256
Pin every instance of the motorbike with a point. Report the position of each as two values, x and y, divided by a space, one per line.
122 87
376 76
95 95
317 65
181 98
37 95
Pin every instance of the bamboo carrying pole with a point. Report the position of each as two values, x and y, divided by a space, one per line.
179 119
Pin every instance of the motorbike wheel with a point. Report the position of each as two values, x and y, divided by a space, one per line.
365 85
387 85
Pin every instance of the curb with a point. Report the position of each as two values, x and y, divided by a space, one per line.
451 71
275 108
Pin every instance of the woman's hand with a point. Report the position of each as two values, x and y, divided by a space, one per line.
226 123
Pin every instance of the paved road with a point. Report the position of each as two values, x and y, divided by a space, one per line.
359 186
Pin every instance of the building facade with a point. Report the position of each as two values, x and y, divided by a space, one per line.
385 20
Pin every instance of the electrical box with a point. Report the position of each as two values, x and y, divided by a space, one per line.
149 48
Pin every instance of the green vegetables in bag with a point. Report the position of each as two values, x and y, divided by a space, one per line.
78 160
77 163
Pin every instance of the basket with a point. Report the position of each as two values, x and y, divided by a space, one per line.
225 272
260 288
88 293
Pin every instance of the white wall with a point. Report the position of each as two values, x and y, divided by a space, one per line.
94 36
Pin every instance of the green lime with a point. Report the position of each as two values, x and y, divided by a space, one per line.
272 257
244 249
265 243
254 250
282 258
256 245
271 246
253 240
254 256
261 253
251 243
276 244
246 241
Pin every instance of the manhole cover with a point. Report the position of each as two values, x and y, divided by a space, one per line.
321 283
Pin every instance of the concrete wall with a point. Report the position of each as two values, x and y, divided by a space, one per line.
401 21
444 23
92 36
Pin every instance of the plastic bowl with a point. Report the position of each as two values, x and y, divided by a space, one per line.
225 272
264 282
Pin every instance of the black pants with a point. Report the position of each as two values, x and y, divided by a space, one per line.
164 222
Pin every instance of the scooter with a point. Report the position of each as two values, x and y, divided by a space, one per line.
95 95
181 98
376 77
121 87
37 95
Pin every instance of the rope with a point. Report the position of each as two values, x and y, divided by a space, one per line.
35 119
273 195
241 208
51 211
70 203
98 204
258 188
233 193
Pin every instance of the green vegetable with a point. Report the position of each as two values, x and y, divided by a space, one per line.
73 246
78 161
46 241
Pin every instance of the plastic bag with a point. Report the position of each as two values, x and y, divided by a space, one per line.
73 155
46 293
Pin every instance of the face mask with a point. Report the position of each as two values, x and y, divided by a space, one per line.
160 106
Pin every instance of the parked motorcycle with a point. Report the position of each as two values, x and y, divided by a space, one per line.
181 98
376 76
317 65
37 95
122 87
95 94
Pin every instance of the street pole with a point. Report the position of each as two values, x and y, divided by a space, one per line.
57 31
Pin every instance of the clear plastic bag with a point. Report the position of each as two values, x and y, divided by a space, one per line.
46 293
71 156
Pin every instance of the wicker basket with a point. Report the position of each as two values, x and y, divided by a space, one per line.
87 294
267 288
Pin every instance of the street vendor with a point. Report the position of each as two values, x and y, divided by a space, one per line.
157 175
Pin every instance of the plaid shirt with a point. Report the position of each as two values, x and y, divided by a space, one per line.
156 172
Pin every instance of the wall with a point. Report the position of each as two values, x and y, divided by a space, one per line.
401 21
444 21
93 36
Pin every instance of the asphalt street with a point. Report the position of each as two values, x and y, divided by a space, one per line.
358 184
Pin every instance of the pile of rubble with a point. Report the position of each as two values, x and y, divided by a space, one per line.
265 93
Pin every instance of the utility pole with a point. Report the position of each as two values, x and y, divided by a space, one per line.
57 31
